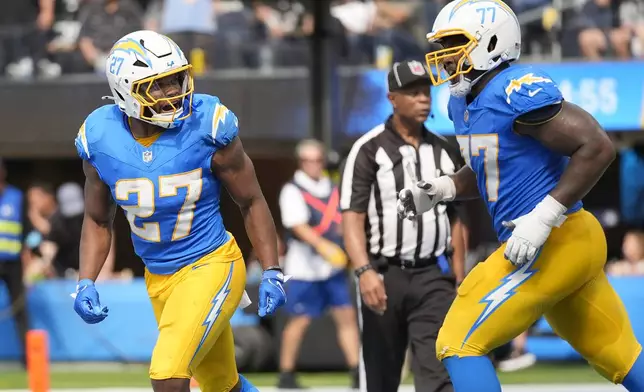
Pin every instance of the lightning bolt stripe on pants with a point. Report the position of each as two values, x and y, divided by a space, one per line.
506 290
215 310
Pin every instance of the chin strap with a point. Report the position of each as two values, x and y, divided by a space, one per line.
107 97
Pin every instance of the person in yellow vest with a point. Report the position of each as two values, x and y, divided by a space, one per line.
315 260
11 219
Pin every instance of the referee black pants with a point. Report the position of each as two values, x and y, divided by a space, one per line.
417 301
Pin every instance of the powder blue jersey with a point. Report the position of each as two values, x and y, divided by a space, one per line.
513 172
167 190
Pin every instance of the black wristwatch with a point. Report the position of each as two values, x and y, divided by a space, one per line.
362 270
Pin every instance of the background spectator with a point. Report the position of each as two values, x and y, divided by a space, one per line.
632 262
41 206
191 24
25 27
316 260
60 247
102 23
599 33
11 229
46 37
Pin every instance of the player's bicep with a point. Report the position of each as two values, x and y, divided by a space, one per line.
99 205
236 171
567 131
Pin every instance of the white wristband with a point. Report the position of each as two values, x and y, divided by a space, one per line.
551 211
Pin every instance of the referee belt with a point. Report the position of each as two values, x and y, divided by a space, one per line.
416 263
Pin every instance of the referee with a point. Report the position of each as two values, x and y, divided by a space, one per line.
402 266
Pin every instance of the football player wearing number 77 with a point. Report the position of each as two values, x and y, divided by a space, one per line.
162 153
532 157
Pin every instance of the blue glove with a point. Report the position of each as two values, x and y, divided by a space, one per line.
271 292
87 304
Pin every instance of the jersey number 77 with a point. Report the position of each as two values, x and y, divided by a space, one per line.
488 144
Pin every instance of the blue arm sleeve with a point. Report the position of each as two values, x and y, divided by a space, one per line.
225 126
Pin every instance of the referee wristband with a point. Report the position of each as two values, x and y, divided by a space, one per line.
362 270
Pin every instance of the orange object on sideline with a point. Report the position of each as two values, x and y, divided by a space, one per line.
37 360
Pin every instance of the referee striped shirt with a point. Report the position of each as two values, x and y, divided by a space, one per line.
374 174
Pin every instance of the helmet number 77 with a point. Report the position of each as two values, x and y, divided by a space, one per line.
487 11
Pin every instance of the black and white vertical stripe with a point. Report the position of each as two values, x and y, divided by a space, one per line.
374 174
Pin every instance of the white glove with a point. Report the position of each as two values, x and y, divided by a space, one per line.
530 231
414 201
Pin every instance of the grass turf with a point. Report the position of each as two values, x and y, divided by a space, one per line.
560 373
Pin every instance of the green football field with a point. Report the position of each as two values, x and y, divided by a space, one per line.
137 377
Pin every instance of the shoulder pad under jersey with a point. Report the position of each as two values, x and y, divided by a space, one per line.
524 89
224 126
93 128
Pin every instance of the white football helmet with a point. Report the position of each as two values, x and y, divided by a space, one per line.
491 35
135 65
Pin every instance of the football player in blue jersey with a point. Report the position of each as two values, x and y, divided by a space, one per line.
162 153
532 157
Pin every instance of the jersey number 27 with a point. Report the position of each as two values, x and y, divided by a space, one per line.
145 207
487 144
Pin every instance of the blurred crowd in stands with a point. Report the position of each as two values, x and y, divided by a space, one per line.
52 230
46 38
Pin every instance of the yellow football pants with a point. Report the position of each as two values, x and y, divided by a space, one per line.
193 308
566 283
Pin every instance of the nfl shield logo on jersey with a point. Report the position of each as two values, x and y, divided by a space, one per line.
416 68
147 156
466 116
